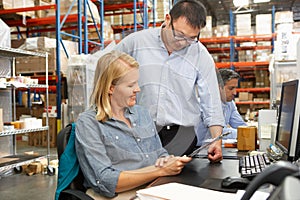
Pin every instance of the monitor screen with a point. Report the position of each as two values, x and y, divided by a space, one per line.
287 118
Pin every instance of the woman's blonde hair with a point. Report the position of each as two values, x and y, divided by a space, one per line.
110 68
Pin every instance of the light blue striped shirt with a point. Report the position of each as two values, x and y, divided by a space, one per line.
171 85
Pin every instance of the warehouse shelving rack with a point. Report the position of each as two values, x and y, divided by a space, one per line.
243 68
83 38
72 22
82 23
11 53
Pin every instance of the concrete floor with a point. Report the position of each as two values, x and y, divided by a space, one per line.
22 187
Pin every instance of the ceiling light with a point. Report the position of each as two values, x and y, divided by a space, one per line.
241 3
260 1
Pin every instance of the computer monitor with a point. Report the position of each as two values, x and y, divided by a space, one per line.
287 134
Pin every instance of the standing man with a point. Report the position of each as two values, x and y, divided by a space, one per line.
177 74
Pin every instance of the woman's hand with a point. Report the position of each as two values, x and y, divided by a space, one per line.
173 165
162 160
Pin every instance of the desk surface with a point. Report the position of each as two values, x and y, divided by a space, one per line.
199 170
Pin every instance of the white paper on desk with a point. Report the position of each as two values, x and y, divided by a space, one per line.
258 195
178 191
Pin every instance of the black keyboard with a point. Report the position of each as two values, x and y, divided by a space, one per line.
250 166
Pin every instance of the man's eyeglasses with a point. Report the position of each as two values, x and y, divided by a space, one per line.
190 40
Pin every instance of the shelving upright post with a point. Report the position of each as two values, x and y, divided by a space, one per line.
82 41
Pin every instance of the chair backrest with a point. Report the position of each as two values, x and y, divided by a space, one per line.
64 138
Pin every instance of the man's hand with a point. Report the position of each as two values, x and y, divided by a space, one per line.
215 150
214 153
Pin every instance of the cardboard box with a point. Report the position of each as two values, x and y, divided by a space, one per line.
246 138
1 119
52 132
37 111
35 138
32 64
41 13
33 168
243 96
52 99
44 44
250 96
263 24
11 4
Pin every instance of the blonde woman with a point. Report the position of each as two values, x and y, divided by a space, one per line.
117 144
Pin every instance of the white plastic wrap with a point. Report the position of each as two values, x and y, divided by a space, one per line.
81 70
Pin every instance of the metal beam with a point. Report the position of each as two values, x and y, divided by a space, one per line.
208 7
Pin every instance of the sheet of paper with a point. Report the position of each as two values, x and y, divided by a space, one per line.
258 195
178 191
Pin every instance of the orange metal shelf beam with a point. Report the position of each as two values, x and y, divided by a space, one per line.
41 21
16 10
123 27
241 64
51 29
248 64
215 40
227 49
120 6
251 102
254 38
253 48
244 69
238 39
114 7
266 89
51 88
223 65
218 50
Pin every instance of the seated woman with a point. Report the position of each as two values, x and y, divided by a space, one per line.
117 144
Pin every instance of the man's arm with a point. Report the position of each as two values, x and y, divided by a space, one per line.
215 150
235 119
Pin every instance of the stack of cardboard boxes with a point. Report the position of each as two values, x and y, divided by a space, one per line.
25 65
1 119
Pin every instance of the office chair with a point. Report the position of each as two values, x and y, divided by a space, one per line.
70 178
181 143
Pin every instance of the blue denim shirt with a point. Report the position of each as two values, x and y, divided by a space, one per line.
106 149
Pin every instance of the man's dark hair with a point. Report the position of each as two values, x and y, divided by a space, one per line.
219 78
193 10
228 74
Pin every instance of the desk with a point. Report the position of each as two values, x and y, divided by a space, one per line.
200 169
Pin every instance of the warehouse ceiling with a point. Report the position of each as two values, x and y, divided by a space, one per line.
220 9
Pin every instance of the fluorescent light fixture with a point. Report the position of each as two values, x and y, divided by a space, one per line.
241 3
261 1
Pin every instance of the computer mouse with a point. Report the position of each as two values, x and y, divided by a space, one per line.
235 182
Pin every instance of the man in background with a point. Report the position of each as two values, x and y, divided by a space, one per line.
228 82
233 119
